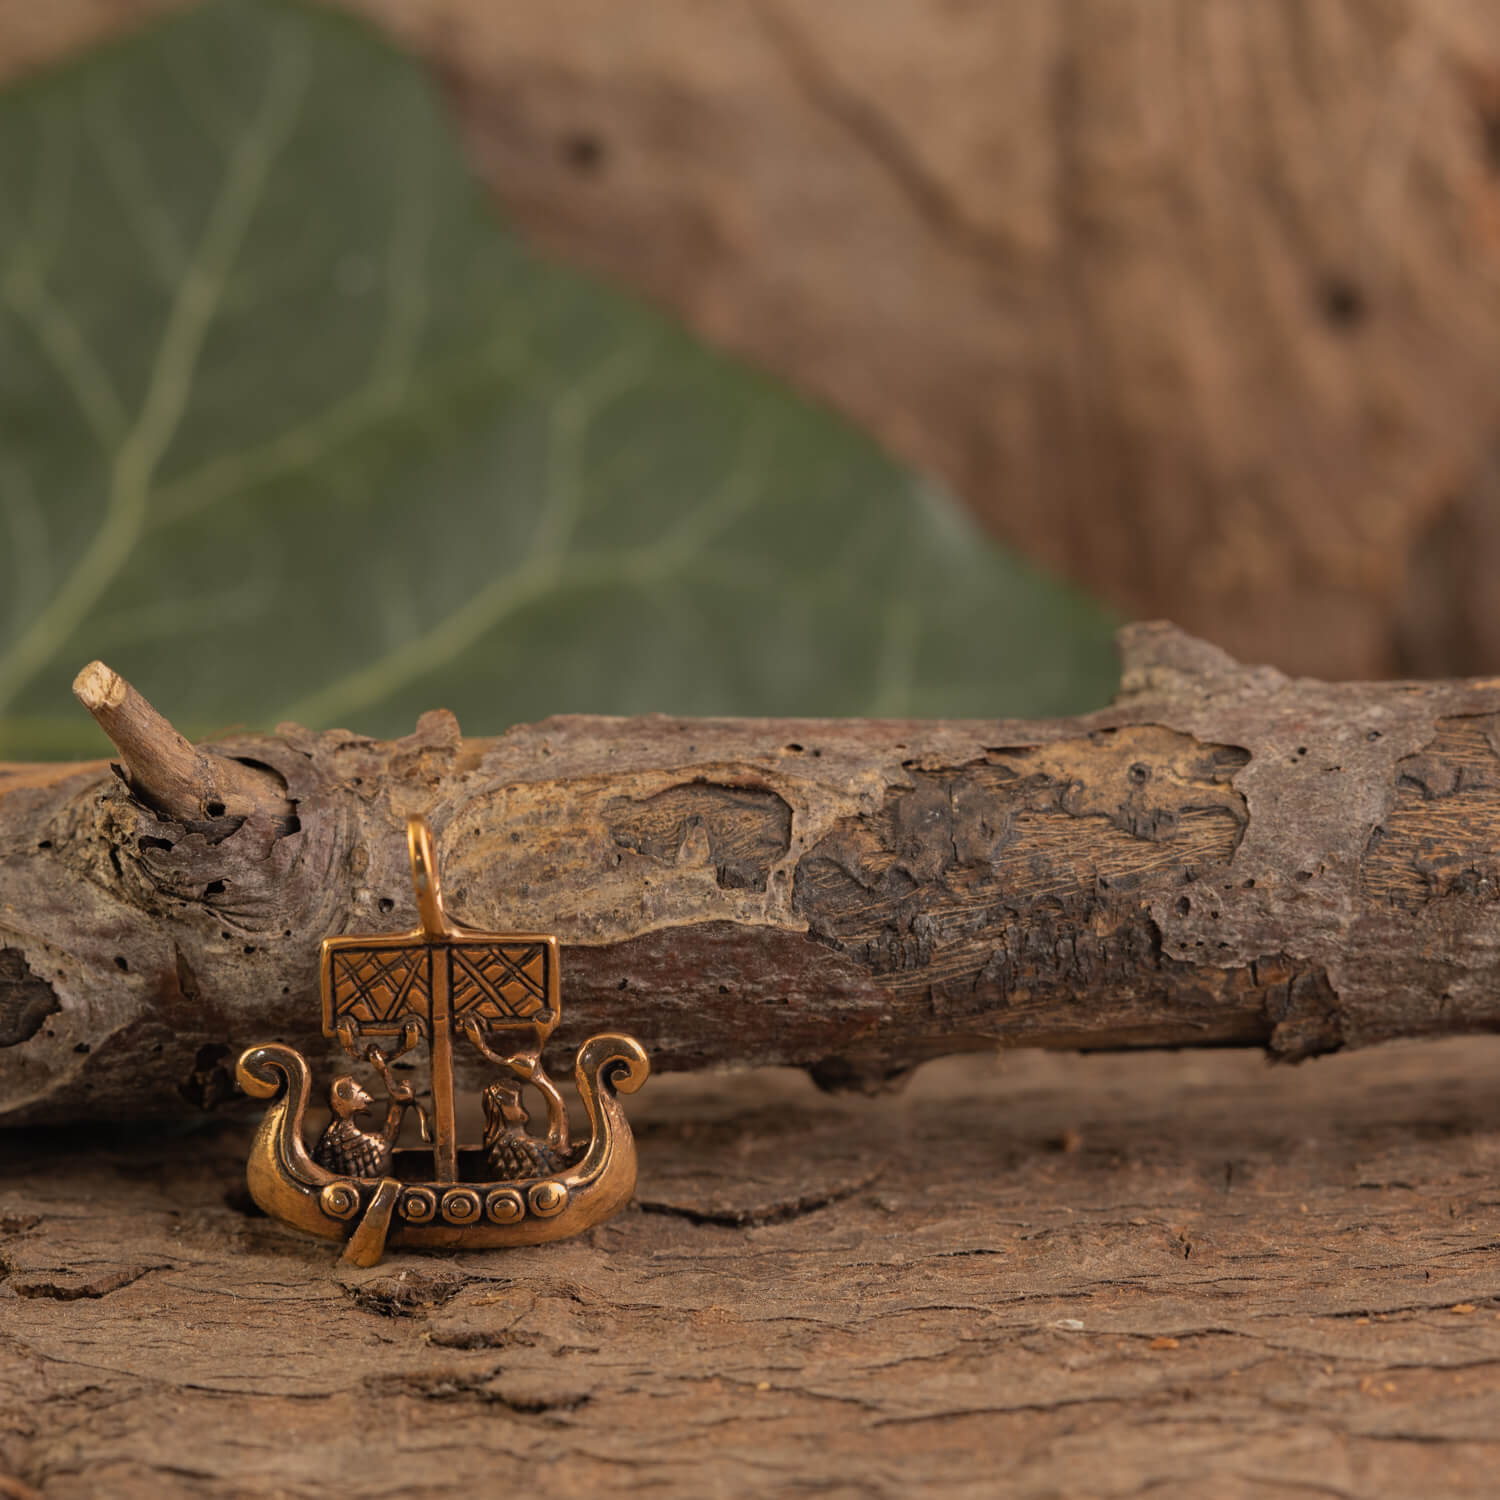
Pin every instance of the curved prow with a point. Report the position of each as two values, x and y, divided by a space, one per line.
608 1064
283 1179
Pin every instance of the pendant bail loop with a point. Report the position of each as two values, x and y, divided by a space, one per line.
425 878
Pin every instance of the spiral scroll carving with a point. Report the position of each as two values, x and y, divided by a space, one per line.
339 1200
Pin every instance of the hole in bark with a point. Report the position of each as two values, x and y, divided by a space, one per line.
1489 130
121 964
1140 773
386 904
1184 906
45 844
214 809
26 999
411 1293
584 152
82 1048
209 1084
153 843
479 1338
794 749
1344 303
260 765
214 888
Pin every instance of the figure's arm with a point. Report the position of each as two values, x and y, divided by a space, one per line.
475 1033
527 1065
402 1096
394 1116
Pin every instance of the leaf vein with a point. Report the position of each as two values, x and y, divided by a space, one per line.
170 381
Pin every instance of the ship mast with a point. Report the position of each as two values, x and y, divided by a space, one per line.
437 932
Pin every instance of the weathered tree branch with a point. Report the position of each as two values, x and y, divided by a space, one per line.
192 787
1225 856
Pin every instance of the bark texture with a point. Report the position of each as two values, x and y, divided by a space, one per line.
1225 856
1196 301
1110 1277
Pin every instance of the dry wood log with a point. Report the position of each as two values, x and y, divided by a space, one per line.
1225 856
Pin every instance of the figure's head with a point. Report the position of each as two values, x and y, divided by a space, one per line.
502 1107
346 1097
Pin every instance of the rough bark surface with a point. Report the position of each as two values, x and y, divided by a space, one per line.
1077 1277
1225 856
1196 301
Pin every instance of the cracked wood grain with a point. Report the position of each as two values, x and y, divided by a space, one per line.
1223 856
1102 1276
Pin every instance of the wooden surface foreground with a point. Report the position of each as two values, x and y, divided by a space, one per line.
1186 1274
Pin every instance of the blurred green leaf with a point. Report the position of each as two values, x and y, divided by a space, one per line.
290 427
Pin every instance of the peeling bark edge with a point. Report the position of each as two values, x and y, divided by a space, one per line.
1225 856
26 999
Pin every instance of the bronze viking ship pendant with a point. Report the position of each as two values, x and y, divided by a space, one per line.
446 985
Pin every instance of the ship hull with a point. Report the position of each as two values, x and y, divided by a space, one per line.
407 1209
